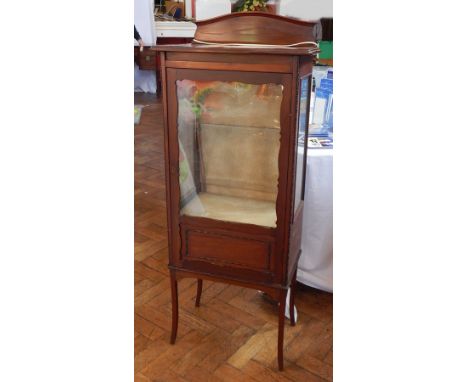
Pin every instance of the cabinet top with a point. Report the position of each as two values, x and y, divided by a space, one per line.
251 32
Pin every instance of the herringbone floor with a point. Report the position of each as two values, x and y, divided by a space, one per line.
232 335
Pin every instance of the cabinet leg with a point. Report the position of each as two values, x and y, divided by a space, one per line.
199 291
175 308
292 293
282 305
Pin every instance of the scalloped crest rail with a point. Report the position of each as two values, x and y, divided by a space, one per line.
255 28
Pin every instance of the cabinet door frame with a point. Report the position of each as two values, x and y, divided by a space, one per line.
286 134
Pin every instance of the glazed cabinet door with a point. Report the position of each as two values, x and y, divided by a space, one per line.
228 134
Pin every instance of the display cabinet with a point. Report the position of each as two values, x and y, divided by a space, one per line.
236 104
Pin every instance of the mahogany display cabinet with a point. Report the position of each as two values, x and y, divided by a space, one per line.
236 104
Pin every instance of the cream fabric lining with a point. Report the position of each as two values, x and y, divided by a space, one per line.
233 209
240 161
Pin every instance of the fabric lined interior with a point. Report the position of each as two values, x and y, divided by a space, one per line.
233 209
240 161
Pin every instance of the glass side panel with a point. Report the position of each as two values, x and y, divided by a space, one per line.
229 139
301 138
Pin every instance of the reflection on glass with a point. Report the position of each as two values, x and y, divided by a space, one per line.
229 138
301 138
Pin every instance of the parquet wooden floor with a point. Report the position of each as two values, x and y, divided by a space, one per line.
232 335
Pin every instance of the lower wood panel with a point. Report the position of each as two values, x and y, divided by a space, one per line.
226 250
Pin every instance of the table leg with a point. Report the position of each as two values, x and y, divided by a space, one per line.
292 293
282 304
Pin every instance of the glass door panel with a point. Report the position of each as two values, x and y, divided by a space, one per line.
301 146
229 140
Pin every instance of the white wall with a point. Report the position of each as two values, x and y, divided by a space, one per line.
144 20
188 8
206 9
307 10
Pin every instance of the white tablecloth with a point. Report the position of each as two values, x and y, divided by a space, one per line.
316 262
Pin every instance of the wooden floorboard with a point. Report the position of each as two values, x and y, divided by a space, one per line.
232 335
